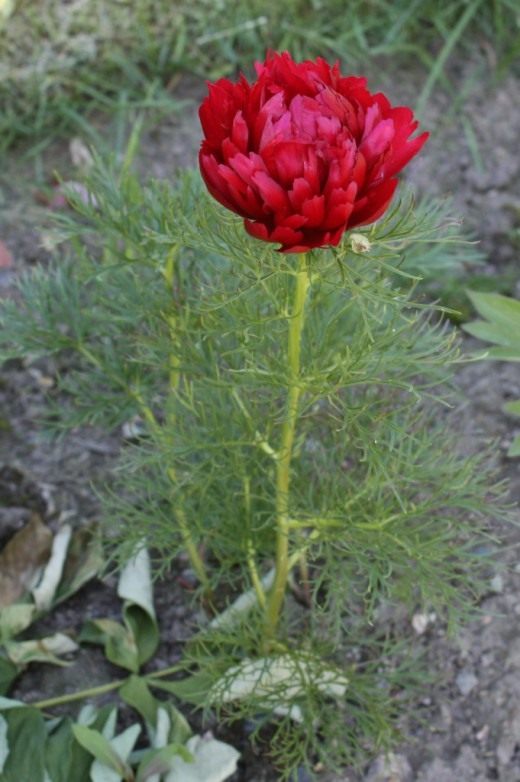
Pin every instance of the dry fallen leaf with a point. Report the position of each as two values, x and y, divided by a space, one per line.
22 558
80 154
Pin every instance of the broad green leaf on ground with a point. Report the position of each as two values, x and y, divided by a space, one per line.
26 737
109 755
514 448
119 642
502 314
213 761
60 763
46 650
84 561
22 558
193 689
15 618
133 643
135 588
43 593
513 407
502 327
123 746
135 692
8 673
4 745
165 724
157 762
242 605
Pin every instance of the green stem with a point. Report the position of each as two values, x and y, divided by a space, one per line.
196 560
92 692
283 465
78 696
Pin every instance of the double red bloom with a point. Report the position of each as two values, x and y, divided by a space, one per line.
303 153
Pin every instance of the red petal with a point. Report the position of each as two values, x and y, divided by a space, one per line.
314 210
240 132
374 204
270 192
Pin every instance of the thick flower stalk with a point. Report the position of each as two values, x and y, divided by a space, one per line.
303 153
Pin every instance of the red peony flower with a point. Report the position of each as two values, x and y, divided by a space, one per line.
303 153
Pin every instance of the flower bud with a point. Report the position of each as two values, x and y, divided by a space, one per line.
360 243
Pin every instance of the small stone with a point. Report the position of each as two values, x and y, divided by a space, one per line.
420 622
466 681
497 584
482 734
389 768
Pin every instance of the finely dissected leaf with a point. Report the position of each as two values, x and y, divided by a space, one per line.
26 737
15 618
21 559
135 588
278 680
213 761
102 750
46 650
43 593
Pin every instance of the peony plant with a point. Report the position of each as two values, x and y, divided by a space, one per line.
286 386
301 154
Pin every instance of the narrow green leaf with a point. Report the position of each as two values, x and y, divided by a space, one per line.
135 692
497 308
4 744
119 642
194 689
15 618
213 761
135 588
158 761
8 673
59 755
101 749
498 333
504 354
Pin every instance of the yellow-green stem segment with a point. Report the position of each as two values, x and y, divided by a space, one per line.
283 464
189 544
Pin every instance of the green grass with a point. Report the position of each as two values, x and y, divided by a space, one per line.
59 59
